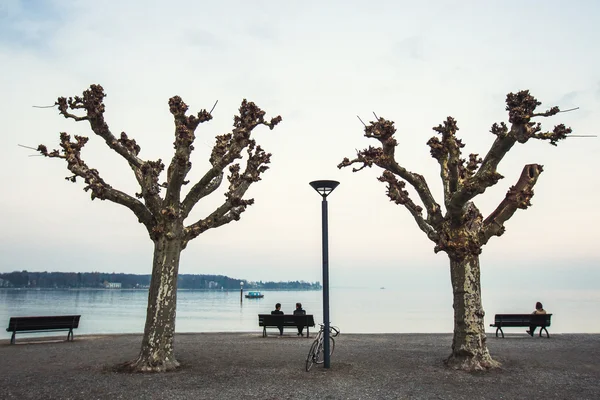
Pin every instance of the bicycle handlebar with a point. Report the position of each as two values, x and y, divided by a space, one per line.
334 330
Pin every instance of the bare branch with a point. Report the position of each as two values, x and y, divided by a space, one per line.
448 154
239 183
227 149
570 109
521 108
219 217
558 133
229 211
397 194
164 219
418 182
93 104
361 121
518 196
366 157
210 182
180 165
553 111
67 114
213 107
146 172
384 157
27 147
71 153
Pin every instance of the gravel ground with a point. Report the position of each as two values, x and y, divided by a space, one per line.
248 366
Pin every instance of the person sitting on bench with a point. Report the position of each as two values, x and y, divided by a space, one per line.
299 311
539 309
277 310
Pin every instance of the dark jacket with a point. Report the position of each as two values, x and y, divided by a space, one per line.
299 311
276 312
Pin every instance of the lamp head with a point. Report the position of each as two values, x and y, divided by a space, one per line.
324 187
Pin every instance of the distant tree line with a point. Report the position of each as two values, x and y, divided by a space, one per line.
285 285
72 280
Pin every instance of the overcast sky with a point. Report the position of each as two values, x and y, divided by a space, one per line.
318 64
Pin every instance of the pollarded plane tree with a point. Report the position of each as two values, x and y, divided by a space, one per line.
160 205
461 230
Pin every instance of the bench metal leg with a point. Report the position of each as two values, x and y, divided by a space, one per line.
264 331
542 329
499 329
70 335
12 338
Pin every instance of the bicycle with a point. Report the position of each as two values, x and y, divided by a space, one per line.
316 353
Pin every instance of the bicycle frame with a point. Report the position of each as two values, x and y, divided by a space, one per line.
316 352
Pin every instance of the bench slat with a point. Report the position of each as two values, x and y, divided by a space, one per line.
522 320
17 324
285 320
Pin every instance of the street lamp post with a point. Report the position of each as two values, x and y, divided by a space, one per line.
324 188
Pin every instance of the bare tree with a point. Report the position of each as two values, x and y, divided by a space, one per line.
164 216
462 231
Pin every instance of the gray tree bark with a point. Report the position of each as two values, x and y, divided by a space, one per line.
469 349
157 351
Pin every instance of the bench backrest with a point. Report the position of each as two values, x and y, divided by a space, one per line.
522 319
285 320
44 322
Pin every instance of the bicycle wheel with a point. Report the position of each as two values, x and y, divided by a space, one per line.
320 358
310 359
319 355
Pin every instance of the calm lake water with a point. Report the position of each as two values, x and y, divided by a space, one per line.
353 310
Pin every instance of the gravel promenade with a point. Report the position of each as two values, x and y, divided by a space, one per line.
247 366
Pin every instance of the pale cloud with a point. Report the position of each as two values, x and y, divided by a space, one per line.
318 65
412 46
568 99
203 39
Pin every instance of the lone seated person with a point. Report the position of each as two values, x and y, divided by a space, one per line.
538 310
277 311
299 311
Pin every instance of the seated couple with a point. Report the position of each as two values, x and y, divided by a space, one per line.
297 311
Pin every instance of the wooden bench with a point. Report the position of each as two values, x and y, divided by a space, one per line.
43 324
522 320
277 320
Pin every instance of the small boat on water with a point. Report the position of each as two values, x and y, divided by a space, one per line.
254 295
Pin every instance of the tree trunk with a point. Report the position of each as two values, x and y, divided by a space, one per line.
156 354
469 350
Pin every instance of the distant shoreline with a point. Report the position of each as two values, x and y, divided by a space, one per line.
99 280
